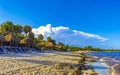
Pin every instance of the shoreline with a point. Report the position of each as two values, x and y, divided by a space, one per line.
100 68
113 66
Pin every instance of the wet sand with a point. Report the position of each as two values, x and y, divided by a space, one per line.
100 68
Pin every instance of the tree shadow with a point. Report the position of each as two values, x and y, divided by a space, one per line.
21 55
67 54
39 62
72 59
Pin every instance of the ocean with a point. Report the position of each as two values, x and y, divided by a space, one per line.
113 56
109 59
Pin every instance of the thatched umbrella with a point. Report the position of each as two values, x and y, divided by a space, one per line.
59 46
49 45
12 39
9 38
24 41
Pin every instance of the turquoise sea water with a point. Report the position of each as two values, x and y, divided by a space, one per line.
109 58
108 55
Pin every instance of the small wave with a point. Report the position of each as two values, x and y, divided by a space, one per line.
109 61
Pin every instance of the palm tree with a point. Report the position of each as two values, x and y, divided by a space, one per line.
59 43
51 42
40 37
2 40
42 44
7 28
27 29
49 39
35 43
17 32
18 28
31 39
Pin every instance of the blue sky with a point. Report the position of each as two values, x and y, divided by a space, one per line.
99 17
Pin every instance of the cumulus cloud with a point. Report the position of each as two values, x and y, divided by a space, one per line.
68 36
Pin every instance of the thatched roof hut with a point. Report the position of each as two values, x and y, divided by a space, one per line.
49 44
24 41
58 46
9 37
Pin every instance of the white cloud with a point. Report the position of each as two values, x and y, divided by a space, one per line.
68 36
44 30
90 35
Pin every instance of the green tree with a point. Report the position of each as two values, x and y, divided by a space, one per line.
88 48
53 41
18 28
31 39
27 29
40 37
97 49
49 39
36 42
7 27
59 43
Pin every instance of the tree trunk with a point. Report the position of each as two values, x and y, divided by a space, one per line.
10 42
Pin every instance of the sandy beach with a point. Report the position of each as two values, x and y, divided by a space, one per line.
44 63
15 64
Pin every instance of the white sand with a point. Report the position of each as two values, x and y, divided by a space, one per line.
21 64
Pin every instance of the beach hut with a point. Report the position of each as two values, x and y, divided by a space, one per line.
49 45
58 46
9 40
24 41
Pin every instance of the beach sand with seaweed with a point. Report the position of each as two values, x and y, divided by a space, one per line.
44 63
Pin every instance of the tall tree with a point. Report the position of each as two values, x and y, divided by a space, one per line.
27 29
18 28
53 41
59 43
31 38
40 37
35 43
17 33
49 39
7 27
